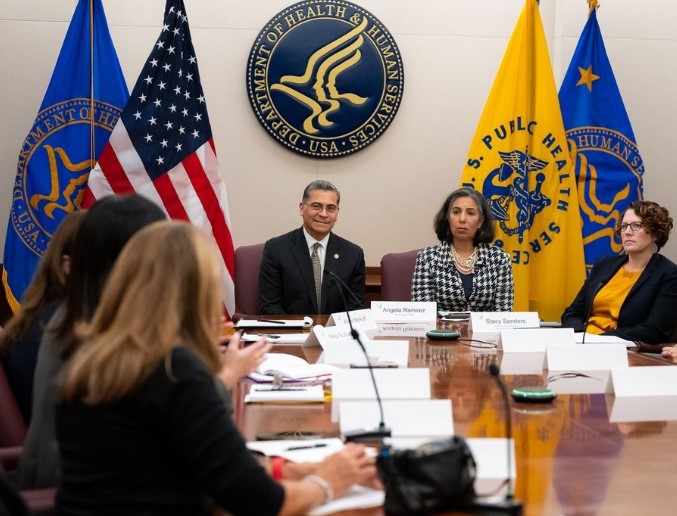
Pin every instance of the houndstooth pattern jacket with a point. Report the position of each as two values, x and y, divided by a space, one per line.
436 279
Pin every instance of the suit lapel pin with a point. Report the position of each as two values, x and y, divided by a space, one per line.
336 256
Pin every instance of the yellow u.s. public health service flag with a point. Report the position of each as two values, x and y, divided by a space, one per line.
520 161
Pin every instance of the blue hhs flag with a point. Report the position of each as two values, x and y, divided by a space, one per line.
83 101
609 168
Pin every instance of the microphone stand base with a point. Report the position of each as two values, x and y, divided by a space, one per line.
497 507
367 436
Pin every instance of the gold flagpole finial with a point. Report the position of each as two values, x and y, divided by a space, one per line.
592 5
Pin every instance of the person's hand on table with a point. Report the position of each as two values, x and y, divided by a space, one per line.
347 467
670 352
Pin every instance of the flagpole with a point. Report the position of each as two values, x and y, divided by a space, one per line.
92 142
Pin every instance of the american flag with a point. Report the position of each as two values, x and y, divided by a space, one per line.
162 145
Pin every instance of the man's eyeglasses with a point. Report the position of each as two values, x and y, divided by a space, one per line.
316 206
634 226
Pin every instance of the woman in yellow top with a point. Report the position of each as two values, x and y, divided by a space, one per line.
634 295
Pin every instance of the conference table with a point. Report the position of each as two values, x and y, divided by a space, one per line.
570 459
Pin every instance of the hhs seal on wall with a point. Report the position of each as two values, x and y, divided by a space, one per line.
325 78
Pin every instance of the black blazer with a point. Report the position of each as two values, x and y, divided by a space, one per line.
286 284
649 312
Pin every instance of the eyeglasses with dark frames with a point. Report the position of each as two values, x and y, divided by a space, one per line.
634 226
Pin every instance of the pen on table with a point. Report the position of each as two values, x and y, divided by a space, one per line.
307 447
269 321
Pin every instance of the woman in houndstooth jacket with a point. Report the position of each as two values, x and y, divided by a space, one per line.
464 272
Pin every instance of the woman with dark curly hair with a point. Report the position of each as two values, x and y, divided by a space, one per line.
464 272
632 296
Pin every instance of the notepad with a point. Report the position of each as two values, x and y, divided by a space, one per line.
290 368
285 394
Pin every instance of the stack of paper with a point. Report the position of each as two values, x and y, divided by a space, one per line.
290 368
285 394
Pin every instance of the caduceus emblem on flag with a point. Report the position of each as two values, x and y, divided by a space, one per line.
500 196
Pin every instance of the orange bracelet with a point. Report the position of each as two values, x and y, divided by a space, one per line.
276 464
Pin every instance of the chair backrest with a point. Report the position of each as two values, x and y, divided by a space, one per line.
247 264
12 424
397 270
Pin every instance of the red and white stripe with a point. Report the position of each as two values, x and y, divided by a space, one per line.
193 190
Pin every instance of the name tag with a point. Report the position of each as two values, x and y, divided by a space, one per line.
496 321
404 311
361 319
326 335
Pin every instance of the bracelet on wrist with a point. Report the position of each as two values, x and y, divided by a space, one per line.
328 491
276 464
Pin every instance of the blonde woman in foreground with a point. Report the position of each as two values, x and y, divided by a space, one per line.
141 426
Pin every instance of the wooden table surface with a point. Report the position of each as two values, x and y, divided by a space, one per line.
570 459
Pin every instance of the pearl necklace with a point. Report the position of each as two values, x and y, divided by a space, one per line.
464 265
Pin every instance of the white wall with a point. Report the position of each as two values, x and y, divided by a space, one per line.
451 50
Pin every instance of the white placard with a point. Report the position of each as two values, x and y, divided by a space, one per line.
405 418
393 384
580 382
324 335
491 458
496 321
535 339
645 381
523 363
380 352
360 319
585 358
404 311
628 409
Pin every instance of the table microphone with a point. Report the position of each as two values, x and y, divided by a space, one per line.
508 505
382 431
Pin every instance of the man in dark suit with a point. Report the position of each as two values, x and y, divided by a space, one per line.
292 262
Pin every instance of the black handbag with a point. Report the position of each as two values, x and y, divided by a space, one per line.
435 477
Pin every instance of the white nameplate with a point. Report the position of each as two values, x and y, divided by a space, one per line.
487 322
643 408
523 363
393 384
491 470
381 353
404 311
405 418
585 358
360 319
535 339
645 381
580 382
325 335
